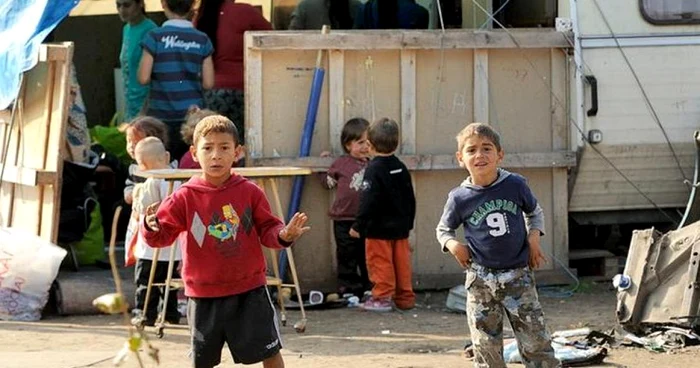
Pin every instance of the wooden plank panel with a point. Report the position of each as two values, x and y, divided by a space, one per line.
407 39
444 102
373 84
431 193
286 82
541 183
408 102
520 99
33 124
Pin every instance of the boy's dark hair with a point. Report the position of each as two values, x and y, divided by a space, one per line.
482 130
150 127
352 131
194 115
180 7
215 124
384 135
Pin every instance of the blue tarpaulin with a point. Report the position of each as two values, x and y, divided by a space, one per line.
24 24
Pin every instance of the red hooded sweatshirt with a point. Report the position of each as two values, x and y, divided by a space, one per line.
225 228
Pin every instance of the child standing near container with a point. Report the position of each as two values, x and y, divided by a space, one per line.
346 175
502 224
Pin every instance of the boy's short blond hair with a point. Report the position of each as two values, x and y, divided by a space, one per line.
482 130
384 135
215 124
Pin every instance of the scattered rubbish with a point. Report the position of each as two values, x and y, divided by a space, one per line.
315 297
457 299
621 282
667 340
578 347
353 302
664 280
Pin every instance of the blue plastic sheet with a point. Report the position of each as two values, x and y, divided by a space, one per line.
24 24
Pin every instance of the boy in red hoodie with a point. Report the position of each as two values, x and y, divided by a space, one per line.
226 218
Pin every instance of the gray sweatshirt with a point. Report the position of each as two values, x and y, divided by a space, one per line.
496 220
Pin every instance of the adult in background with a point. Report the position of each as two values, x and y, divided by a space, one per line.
133 13
225 22
392 14
314 14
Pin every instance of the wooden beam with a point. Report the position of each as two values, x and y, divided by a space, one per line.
481 85
408 102
26 176
55 52
253 100
248 172
406 39
561 159
336 98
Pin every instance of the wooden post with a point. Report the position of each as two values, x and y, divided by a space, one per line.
253 101
408 102
336 83
481 85
560 136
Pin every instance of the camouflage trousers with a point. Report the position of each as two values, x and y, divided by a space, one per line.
493 294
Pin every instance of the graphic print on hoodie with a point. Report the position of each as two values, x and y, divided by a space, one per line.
225 227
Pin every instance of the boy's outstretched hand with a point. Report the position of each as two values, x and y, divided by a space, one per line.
150 215
537 257
295 228
460 251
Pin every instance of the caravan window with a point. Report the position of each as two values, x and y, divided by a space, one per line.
670 11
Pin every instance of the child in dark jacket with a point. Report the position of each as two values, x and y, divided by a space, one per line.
385 218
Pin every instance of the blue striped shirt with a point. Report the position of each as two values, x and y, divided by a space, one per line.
178 51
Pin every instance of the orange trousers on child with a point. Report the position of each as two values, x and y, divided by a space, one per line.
389 267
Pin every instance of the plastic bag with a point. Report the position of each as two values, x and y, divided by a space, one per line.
28 266
112 140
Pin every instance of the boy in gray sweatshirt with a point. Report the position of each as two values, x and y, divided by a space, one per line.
502 224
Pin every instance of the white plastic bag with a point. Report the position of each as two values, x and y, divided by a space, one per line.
28 266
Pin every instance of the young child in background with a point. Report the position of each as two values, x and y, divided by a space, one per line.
225 219
150 154
346 174
177 63
194 115
502 225
136 130
385 218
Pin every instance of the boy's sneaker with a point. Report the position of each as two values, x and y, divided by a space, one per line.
377 305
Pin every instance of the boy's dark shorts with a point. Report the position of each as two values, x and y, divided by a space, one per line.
246 322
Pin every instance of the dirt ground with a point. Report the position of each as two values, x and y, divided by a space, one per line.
428 336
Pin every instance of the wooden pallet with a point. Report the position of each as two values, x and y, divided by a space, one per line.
31 144
595 264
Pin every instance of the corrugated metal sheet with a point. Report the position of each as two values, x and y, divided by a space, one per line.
650 167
